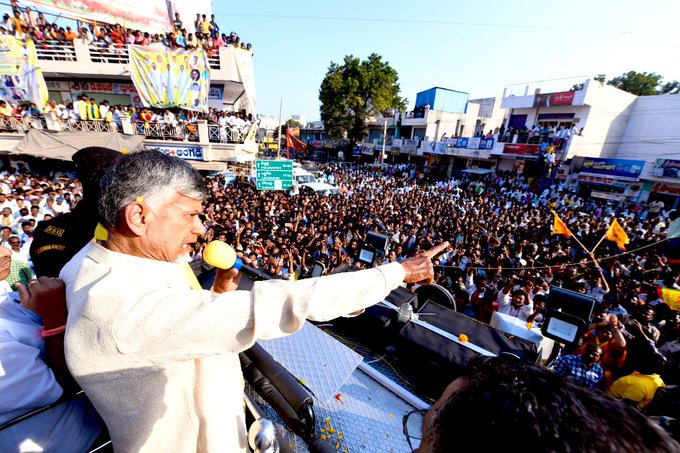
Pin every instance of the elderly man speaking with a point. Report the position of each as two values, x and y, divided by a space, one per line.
160 360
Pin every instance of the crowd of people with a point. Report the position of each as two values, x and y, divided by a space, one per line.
203 33
503 256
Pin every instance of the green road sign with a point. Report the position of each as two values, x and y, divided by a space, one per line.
274 174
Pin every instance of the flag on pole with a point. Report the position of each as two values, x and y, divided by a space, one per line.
560 228
293 142
616 234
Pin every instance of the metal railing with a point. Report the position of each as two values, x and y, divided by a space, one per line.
214 61
55 51
21 124
99 53
222 134
103 53
187 132
89 126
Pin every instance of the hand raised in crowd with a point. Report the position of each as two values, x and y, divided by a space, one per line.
46 297
419 269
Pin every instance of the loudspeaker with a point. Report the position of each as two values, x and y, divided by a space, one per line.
434 360
567 315
380 242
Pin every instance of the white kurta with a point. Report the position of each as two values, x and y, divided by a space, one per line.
159 360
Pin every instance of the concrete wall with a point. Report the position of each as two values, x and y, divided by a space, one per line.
83 65
653 130
439 122
605 122
490 113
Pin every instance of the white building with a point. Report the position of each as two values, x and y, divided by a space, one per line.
78 68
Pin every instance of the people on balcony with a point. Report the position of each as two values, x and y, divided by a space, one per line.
114 37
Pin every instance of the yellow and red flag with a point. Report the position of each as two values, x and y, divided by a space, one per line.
559 227
671 297
293 142
615 233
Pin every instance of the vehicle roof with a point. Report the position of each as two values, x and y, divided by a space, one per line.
319 186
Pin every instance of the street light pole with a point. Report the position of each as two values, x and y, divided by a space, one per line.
278 145
382 153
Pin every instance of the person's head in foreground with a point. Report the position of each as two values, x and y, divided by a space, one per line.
151 205
505 404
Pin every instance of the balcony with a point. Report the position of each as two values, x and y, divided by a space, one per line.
100 61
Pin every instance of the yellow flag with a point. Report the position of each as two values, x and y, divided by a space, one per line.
560 228
616 234
671 297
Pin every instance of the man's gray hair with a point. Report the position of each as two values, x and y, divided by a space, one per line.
152 175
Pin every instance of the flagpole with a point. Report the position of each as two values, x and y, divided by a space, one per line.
572 234
599 242
278 145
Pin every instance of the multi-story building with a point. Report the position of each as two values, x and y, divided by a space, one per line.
78 68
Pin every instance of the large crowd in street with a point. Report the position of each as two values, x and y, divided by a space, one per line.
503 256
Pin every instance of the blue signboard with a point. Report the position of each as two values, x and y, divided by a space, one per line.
183 152
461 142
617 168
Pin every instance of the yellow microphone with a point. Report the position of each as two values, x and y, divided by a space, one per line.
221 255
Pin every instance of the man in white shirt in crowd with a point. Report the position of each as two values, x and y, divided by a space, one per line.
104 108
4 202
164 372
513 301
34 372
60 206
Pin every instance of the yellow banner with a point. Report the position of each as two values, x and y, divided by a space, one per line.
20 79
671 297
171 77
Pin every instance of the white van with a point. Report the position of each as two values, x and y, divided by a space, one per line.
301 175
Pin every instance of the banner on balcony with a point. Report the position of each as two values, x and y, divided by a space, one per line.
171 77
244 64
20 79
152 18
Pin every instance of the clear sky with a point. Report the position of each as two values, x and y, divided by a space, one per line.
479 46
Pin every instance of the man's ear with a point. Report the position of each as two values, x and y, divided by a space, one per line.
136 218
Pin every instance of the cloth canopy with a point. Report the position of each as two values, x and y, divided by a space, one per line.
62 145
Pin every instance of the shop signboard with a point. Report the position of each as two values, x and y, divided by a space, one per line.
667 189
102 87
183 152
521 149
553 99
666 168
624 169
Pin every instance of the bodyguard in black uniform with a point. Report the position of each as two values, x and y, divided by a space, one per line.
57 240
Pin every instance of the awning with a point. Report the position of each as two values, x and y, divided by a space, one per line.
62 145
478 171
208 166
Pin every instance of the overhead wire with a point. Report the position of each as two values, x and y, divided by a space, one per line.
487 268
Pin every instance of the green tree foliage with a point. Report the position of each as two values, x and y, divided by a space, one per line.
353 91
639 83
284 127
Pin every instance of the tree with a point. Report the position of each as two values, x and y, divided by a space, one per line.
284 127
355 90
671 87
639 83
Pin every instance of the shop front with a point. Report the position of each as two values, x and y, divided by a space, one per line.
608 178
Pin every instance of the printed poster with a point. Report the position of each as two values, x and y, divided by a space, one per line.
150 16
167 77
20 79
